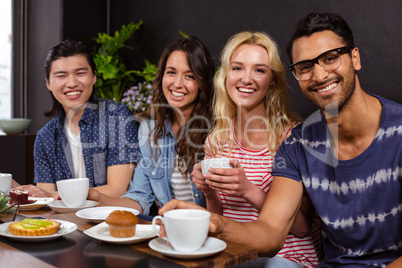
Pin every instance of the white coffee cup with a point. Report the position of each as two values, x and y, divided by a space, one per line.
73 192
186 229
217 162
5 182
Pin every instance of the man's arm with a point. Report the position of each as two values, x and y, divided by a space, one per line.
267 235
118 180
14 184
44 189
304 218
395 264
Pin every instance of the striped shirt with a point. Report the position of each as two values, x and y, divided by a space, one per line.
257 166
181 186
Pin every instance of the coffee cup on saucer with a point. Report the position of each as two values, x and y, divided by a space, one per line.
186 229
5 182
73 192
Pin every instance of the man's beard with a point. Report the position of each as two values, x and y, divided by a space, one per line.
337 106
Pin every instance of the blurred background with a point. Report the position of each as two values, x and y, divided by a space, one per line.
39 24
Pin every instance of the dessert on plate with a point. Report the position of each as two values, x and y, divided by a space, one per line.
19 196
34 227
122 223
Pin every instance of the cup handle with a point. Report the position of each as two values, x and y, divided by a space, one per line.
154 226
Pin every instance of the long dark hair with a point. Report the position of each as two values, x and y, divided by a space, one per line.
67 48
190 147
318 22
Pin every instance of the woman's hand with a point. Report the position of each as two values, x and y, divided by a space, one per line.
199 180
231 181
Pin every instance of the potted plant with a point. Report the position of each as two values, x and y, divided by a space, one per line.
114 81
113 78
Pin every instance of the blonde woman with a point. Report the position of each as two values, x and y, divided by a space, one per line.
251 119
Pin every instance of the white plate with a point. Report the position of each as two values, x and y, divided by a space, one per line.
101 232
60 207
66 227
211 246
40 202
99 214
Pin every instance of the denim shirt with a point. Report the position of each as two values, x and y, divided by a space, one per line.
108 132
152 177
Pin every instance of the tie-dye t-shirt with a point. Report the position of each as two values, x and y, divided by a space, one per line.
359 200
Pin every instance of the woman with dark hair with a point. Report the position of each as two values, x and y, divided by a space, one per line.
172 135
89 137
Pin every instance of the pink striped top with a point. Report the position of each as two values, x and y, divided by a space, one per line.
257 166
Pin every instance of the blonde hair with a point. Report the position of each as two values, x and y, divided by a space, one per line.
278 113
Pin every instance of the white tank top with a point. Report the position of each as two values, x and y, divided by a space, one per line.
76 153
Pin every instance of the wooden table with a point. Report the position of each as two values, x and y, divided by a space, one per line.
79 250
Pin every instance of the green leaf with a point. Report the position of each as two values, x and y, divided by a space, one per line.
112 76
183 34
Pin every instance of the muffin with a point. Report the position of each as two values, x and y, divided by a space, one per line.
34 227
122 223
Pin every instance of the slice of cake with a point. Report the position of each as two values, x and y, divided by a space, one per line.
34 227
19 196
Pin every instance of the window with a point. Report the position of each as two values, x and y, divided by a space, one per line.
5 58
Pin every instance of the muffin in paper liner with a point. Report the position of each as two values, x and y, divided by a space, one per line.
122 231
122 223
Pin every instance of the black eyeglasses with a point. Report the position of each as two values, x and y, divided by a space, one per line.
329 61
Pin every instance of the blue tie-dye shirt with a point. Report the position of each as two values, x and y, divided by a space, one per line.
359 200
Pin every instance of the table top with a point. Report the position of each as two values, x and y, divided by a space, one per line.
79 250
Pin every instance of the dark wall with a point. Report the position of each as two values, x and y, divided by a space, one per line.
48 23
377 27
44 31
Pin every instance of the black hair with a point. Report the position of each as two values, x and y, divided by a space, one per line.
318 22
66 48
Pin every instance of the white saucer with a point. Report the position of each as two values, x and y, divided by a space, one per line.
40 202
60 207
101 232
211 246
99 214
66 227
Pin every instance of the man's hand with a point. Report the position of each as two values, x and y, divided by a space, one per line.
94 195
35 191
215 225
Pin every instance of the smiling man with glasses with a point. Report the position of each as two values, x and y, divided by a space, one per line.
347 156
